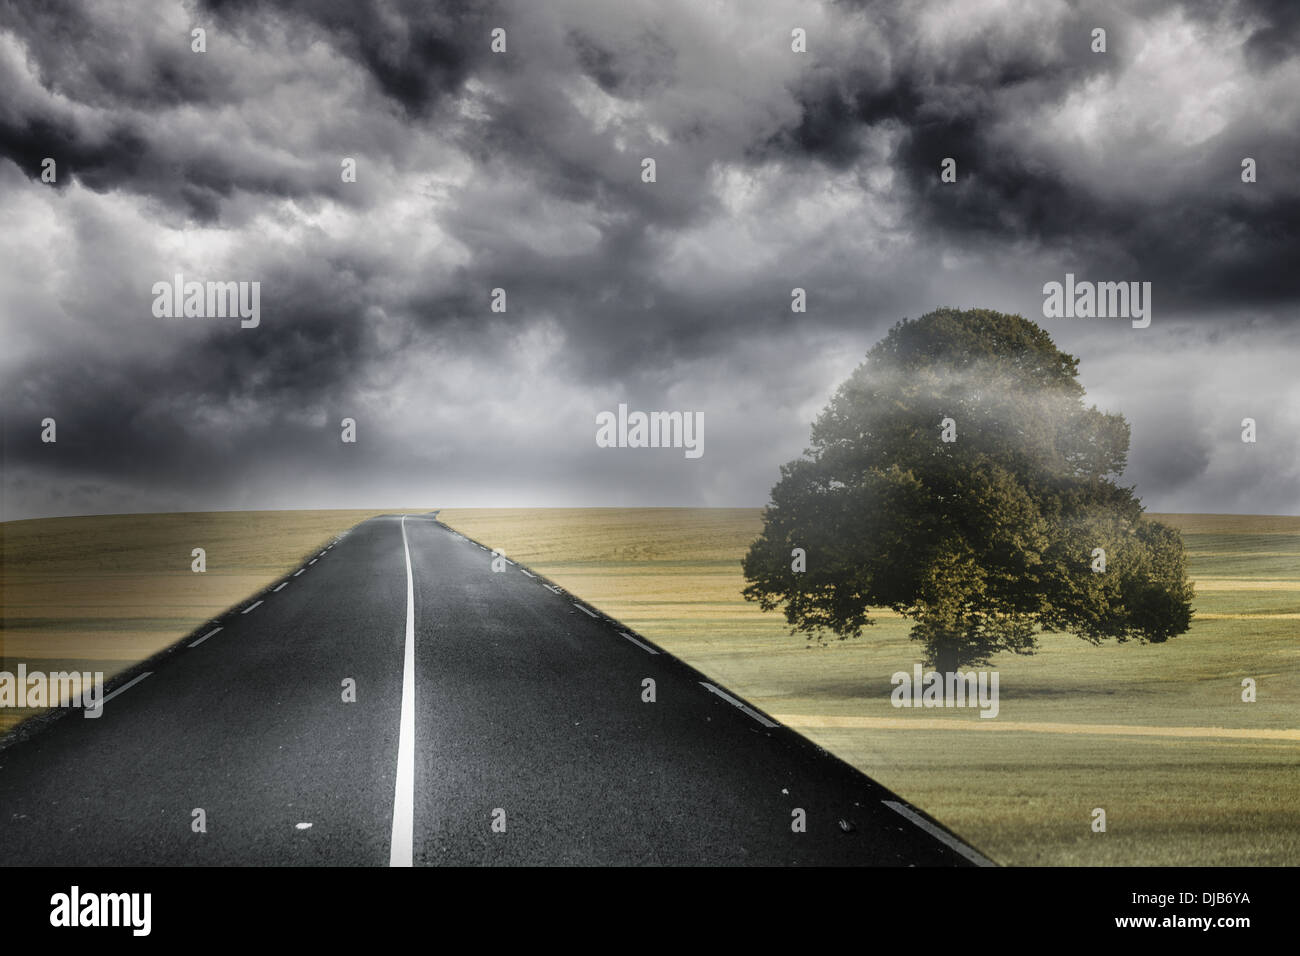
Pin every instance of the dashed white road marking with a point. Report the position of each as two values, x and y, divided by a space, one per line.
553 588
125 687
645 647
273 590
401 852
312 561
522 571
299 571
205 637
322 554
302 826
251 607
743 706
585 611
945 838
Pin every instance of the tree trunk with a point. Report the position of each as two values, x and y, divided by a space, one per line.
947 659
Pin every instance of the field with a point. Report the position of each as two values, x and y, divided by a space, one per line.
1158 735
101 593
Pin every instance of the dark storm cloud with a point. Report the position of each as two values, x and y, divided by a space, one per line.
1171 456
102 162
642 63
1273 27
91 57
114 70
1211 242
194 181
141 420
522 171
120 87
417 52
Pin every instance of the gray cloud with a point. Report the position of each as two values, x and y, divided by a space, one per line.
522 171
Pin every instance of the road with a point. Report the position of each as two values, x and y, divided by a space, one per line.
497 721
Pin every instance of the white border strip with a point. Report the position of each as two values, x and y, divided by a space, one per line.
743 706
645 647
205 637
125 687
947 839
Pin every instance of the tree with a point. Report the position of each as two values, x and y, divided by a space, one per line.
982 540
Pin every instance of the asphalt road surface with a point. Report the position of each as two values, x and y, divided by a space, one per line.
498 721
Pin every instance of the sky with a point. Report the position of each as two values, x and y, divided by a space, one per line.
522 170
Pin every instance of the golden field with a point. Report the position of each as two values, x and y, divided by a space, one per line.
101 593
1157 735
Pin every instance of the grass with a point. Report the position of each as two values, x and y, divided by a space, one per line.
1024 790
101 593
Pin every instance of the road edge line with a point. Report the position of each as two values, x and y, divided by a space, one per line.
947 839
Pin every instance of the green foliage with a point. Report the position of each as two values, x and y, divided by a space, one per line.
981 541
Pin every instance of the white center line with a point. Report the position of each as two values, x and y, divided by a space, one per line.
273 590
946 838
205 637
743 706
402 851
645 647
585 611
250 607
125 687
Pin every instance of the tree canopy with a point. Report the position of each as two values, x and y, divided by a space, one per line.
984 539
